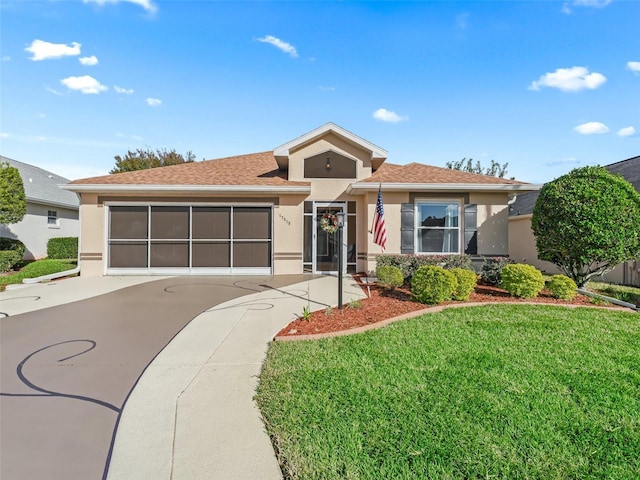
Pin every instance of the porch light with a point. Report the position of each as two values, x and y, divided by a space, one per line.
328 166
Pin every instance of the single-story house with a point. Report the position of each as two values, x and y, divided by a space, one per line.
51 212
261 213
522 242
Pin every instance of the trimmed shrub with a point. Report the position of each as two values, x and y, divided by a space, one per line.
432 284
562 287
491 273
467 280
522 280
62 248
389 276
11 252
586 222
8 258
408 264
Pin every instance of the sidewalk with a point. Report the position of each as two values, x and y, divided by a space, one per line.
191 414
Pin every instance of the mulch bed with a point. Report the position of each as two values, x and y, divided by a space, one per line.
384 304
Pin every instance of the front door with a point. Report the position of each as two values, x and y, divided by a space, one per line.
325 258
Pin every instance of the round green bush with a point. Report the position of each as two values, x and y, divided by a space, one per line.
562 287
522 280
432 284
467 280
12 253
389 276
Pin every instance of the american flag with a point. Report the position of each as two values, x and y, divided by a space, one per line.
379 229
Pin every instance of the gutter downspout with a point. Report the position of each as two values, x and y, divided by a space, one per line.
66 273
615 301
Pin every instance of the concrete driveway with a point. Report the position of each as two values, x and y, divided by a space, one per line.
67 371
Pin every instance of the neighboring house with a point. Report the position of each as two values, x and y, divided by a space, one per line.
522 242
51 212
260 213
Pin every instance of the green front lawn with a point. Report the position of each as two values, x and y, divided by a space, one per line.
35 269
507 391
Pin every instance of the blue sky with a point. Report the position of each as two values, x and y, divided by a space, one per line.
546 86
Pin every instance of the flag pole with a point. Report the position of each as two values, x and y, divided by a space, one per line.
373 219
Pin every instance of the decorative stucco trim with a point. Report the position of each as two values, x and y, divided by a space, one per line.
527 216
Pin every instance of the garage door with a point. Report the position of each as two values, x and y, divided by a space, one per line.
178 239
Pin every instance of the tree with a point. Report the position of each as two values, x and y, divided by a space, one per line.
143 159
13 201
587 222
467 165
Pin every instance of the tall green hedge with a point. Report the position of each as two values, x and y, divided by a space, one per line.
409 264
62 247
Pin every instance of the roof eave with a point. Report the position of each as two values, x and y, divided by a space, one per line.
282 152
363 187
51 203
155 189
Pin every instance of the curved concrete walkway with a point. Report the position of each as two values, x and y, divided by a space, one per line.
69 372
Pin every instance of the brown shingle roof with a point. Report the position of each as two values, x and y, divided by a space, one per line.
420 173
251 169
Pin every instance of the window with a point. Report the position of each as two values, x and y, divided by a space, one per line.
52 218
437 227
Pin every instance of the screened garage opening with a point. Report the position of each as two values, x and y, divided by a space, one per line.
178 239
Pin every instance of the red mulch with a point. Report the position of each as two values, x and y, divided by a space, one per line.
384 304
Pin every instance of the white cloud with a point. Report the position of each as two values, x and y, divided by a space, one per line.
385 115
42 50
153 102
148 5
40 115
462 21
132 137
124 91
634 67
627 132
592 128
6 58
89 61
280 44
327 89
566 7
571 79
4 135
51 90
563 161
591 3
85 84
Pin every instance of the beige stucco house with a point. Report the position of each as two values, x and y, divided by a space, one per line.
259 213
51 212
522 242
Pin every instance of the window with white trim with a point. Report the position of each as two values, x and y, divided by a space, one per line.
437 227
52 218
